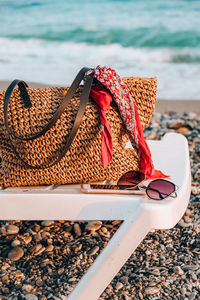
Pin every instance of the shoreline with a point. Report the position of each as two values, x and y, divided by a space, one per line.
179 106
162 105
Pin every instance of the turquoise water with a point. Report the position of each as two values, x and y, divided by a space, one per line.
48 41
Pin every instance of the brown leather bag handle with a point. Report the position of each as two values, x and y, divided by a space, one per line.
27 103
83 101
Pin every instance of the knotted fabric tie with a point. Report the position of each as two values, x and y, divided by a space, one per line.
129 114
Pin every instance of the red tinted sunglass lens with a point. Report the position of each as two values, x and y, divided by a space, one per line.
160 189
131 178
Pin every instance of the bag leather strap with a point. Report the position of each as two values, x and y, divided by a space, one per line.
27 103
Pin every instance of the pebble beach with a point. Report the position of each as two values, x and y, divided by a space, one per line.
46 43
42 260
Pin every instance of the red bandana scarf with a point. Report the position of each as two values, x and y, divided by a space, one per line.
129 114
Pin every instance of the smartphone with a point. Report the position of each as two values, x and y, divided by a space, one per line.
108 189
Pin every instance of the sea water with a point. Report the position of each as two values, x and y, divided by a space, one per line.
48 41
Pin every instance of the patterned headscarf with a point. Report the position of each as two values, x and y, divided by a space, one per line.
129 114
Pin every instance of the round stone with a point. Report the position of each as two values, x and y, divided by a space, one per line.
148 252
190 267
45 235
195 190
124 279
16 253
12 229
119 285
27 239
31 297
49 248
187 219
193 296
36 248
197 174
3 230
94 250
104 229
27 288
77 229
93 225
155 272
176 124
37 237
5 278
15 243
47 223
39 251
183 224
18 274
182 130
177 270
5 266
152 290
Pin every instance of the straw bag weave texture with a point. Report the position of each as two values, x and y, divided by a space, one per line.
82 162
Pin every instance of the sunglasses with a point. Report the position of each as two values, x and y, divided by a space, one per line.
157 189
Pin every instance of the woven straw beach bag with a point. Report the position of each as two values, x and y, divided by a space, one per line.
34 150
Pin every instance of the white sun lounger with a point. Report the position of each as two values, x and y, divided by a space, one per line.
139 214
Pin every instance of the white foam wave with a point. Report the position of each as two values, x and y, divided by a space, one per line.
58 62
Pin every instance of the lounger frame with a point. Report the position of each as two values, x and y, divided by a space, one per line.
139 214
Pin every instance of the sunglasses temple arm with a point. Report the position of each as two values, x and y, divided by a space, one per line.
142 187
173 195
132 187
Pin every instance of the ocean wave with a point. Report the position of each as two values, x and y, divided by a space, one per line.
151 37
41 48
178 70
152 24
187 57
